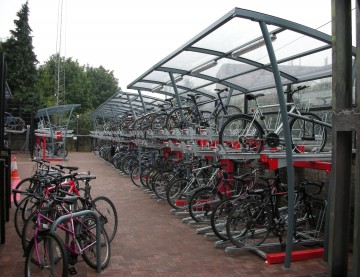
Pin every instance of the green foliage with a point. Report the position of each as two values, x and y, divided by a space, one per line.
103 84
21 62
87 86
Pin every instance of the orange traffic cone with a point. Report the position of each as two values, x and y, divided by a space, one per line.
14 170
15 178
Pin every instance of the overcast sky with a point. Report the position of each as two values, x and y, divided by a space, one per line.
129 37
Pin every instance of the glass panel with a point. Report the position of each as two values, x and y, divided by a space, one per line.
188 60
227 68
232 34
144 85
255 80
160 76
308 66
192 82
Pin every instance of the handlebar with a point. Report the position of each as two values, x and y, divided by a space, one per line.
299 88
221 90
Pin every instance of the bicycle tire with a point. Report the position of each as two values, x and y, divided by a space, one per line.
174 193
307 136
161 182
219 216
135 176
129 165
221 117
158 123
144 175
174 120
152 174
26 184
62 152
46 241
310 219
232 134
248 224
106 210
19 217
85 234
203 202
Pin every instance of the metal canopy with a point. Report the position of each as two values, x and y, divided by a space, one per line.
126 102
231 53
56 110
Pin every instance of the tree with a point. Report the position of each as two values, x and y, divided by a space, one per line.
103 84
21 62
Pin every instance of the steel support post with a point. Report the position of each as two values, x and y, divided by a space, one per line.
356 239
142 101
131 107
340 198
288 145
178 100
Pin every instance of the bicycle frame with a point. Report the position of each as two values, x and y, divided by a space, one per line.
195 179
44 221
259 116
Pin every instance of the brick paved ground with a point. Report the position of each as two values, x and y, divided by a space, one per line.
150 240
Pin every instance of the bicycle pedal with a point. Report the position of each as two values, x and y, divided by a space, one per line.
72 270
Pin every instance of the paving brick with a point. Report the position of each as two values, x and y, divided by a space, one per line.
150 240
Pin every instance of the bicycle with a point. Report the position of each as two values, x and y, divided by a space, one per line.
204 200
192 117
101 205
80 240
249 133
252 220
13 123
182 189
221 211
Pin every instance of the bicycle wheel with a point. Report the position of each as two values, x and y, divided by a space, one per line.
243 133
180 118
129 164
26 184
86 237
152 174
106 210
47 258
62 152
221 117
144 175
306 135
219 216
135 176
248 223
175 193
203 202
310 219
19 217
161 182
158 123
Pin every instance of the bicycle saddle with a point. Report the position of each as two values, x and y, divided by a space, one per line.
253 96
72 168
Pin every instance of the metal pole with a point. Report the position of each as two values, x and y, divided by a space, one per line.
340 199
227 102
288 146
131 107
176 95
77 133
356 239
142 101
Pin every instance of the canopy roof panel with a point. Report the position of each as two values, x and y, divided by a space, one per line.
232 53
229 53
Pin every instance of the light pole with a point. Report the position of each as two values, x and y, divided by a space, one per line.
77 132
